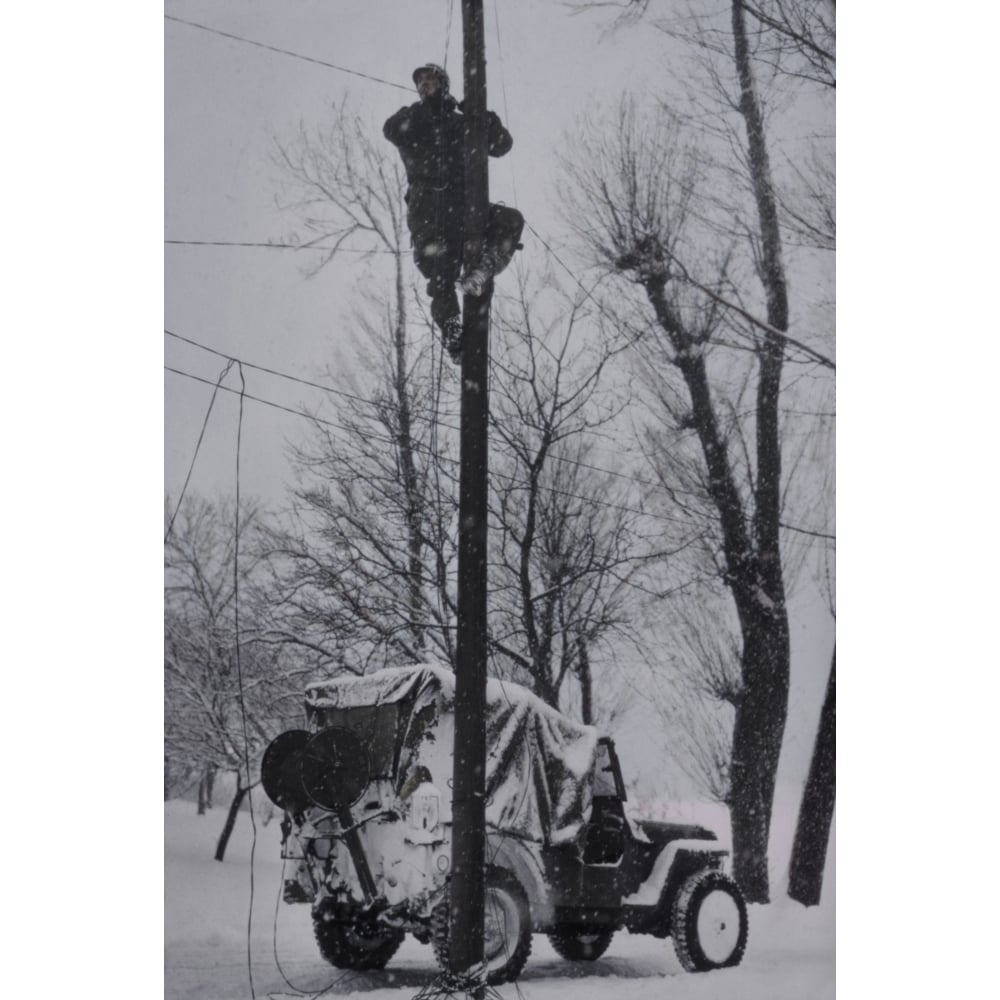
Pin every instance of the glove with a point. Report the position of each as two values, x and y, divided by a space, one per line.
492 118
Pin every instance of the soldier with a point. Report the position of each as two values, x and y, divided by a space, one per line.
430 138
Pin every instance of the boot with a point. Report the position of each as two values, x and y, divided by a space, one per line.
474 283
451 334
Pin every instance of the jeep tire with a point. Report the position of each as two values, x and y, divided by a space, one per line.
581 944
357 946
506 928
709 922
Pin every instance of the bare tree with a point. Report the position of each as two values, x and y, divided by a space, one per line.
643 205
227 694
798 38
340 186
346 581
368 557
343 185
568 547
369 569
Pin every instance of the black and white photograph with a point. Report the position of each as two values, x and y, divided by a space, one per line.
499 499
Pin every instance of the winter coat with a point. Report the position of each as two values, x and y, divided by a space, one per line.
430 136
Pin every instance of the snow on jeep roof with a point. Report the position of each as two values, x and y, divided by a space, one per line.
400 683
540 763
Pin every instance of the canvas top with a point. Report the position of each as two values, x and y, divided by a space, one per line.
539 762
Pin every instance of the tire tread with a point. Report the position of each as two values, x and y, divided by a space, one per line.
684 914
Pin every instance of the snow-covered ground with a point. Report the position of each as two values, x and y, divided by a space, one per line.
790 953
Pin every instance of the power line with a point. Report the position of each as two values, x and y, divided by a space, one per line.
197 448
814 356
570 272
649 484
447 32
554 490
272 371
373 403
503 90
278 406
421 448
285 52
276 246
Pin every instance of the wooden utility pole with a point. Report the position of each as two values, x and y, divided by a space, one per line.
468 803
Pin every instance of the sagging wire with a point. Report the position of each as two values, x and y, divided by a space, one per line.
284 52
503 90
274 934
197 447
239 679
452 461
271 371
437 347
447 32
813 356
436 363
276 246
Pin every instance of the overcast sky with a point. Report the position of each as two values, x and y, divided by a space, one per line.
226 103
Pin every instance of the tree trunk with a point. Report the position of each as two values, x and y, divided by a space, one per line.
763 709
586 683
812 833
209 786
201 794
754 577
757 734
234 808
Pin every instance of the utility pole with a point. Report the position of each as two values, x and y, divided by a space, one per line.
468 803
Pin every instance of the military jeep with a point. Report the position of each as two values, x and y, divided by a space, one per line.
365 790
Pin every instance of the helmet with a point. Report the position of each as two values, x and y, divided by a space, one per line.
438 71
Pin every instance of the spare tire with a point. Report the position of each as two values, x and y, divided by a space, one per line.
280 770
360 945
335 768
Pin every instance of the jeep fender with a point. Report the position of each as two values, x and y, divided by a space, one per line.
523 860
674 863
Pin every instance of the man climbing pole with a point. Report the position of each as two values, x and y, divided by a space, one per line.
430 139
